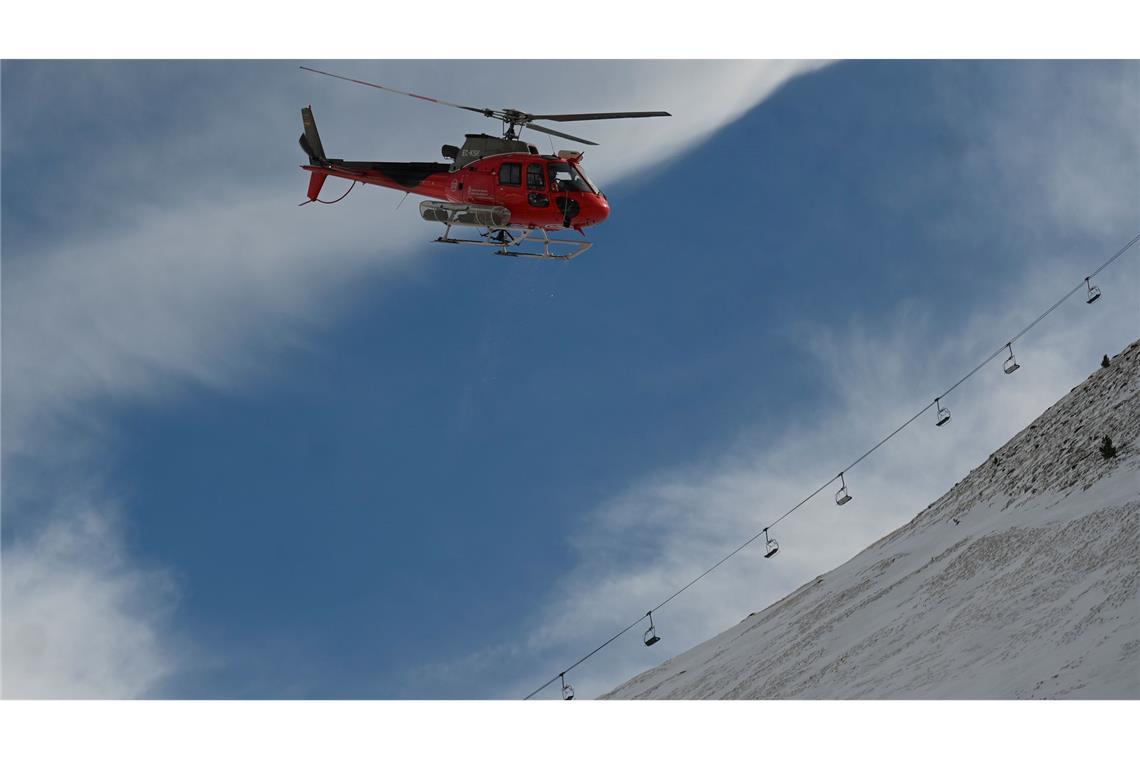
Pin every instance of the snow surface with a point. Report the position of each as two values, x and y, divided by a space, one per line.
1031 594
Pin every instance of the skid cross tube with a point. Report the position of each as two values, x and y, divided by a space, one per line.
505 241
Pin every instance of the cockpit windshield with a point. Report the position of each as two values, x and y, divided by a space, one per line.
582 176
565 177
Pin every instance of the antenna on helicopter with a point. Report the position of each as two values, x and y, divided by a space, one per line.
513 120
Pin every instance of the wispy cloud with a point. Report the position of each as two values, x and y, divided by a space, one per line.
80 618
1059 158
213 271
204 285
637 548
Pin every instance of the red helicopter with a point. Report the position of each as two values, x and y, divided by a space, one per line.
500 185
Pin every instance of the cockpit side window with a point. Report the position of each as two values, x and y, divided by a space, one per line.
535 177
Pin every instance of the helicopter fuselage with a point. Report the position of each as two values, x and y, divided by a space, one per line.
539 191
497 184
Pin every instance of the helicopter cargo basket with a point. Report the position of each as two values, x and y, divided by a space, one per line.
517 241
465 214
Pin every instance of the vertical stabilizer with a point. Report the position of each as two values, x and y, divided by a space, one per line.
311 139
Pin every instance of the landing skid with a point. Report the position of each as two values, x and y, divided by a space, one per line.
506 240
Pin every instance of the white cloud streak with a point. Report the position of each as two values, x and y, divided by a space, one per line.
198 287
1076 174
213 270
666 528
80 619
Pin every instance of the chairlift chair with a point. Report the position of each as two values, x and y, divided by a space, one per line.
943 414
770 546
1011 364
1094 291
841 496
650 638
567 689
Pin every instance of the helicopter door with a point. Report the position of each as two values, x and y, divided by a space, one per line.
510 191
536 186
478 185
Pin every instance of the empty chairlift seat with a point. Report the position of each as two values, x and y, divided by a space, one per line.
943 414
770 546
841 496
650 638
1094 291
1011 364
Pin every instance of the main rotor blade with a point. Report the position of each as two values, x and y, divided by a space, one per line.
556 133
484 111
596 116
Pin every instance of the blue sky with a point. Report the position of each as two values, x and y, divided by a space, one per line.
371 468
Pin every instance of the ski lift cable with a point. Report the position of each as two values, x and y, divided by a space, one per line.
1115 256
599 648
1066 297
1007 345
678 592
1047 312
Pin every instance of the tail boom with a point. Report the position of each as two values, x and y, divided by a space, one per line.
431 179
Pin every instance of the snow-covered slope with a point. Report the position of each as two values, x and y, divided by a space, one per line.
1021 582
